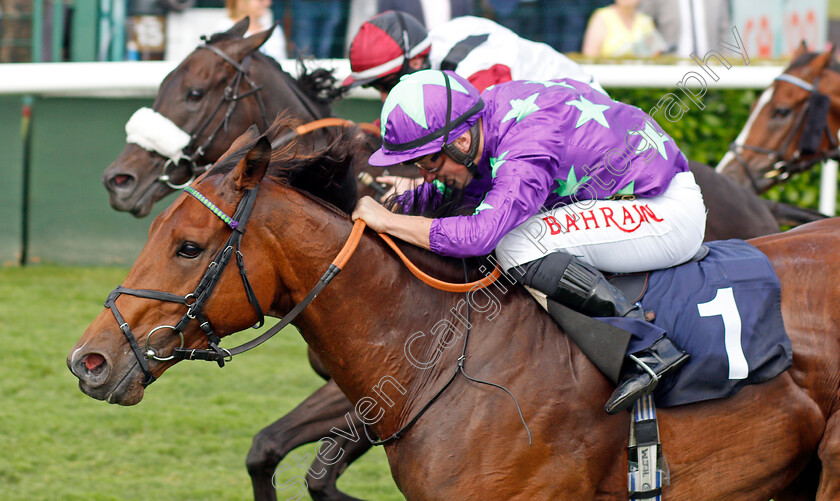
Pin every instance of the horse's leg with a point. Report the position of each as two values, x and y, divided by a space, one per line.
804 487
324 488
829 453
308 422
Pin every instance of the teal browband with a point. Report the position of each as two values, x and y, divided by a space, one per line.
210 205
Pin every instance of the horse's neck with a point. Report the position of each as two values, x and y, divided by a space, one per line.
362 324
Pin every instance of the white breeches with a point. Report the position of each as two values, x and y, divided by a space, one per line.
619 236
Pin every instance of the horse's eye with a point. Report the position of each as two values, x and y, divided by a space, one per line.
189 250
195 95
781 112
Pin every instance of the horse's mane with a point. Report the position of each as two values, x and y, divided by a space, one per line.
326 174
806 58
320 83
444 201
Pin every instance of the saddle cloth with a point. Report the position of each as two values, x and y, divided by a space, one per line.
725 311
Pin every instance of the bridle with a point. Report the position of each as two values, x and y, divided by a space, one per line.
196 300
813 121
192 152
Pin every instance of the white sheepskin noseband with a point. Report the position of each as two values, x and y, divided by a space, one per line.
154 132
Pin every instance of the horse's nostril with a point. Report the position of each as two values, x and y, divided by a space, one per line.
95 363
120 180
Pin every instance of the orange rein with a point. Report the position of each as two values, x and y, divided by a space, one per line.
334 122
359 226
356 235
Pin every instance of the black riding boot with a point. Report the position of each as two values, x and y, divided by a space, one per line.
586 290
642 372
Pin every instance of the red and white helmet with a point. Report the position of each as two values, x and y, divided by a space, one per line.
384 45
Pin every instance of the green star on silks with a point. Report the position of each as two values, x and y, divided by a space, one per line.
521 108
627 190
552 84
481 207
651 135
496 162
410 97
590 111
569 186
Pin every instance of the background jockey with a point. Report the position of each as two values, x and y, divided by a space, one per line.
566 182
393 44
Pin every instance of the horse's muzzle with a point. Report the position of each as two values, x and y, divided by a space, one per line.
99 380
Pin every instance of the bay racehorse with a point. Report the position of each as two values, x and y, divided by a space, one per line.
779 439
218 91
792 126
198 97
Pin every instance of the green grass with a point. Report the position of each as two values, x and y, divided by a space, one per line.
187 439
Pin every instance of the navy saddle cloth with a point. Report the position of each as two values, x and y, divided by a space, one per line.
725 311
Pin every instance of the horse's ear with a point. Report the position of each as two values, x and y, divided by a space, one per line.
244 47
251 169
802 49
248 136
832 50
240 28
823 60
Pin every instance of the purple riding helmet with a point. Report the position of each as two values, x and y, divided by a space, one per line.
424 113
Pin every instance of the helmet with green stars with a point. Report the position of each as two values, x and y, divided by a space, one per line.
426 111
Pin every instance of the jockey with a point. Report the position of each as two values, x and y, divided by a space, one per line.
393 44
566 181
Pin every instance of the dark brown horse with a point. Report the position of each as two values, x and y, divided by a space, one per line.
793 124
213 96
763 442
196 94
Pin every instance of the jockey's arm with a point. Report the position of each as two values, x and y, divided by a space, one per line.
412 229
